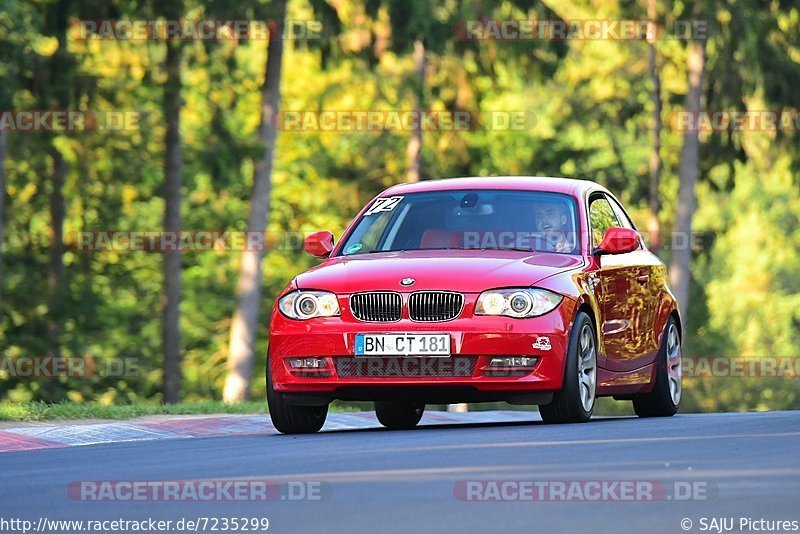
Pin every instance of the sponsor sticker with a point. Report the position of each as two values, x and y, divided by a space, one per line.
542 343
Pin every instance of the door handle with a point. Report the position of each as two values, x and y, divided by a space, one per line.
643 278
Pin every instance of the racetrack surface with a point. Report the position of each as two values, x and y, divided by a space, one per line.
374 480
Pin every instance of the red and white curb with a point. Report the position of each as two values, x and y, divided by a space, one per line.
53 435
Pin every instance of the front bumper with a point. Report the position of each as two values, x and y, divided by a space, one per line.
474 341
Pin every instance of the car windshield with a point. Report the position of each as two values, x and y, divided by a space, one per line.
467 220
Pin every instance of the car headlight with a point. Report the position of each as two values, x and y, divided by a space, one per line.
304 305
517 303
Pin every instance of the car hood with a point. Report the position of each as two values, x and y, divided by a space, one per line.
466 271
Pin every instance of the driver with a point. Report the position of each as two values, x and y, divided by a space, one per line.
551 219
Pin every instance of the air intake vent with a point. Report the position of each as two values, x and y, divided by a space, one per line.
379 307
406 367
434 306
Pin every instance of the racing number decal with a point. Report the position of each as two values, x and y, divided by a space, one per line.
384 204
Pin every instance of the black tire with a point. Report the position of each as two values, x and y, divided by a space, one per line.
289 419
399 415
567 405
660 402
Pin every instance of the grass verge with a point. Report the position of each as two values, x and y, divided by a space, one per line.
42 411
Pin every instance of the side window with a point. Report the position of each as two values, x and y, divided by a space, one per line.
601 217
622 215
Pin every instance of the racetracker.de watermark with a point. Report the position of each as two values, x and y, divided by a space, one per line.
68 121
741 367
584 490
579 30
353 120
407 367
196 30
787 120
160 241
67 366
212 490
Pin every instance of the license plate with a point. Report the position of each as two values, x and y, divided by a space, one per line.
402 345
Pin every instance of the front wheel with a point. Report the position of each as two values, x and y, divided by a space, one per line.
574 403
399 415
289 419
665 398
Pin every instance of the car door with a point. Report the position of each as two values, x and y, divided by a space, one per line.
650 276
622 295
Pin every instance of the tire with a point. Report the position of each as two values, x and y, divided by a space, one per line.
399 415
574 402
665 398
289 419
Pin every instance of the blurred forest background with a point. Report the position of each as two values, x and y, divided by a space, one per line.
205 158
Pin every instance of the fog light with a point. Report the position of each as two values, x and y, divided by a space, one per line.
307 363
513 361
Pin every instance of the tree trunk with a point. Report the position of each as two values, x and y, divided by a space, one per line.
653 224
56 271
244 326
414 147
173 169
680 268
3 145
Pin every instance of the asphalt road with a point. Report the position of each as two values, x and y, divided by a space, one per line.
737 466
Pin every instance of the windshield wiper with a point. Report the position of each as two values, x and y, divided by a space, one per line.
517 249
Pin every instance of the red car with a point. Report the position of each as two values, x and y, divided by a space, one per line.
519 289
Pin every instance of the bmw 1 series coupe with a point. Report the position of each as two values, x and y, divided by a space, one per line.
528 290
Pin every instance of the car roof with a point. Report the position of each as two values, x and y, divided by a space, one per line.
569 186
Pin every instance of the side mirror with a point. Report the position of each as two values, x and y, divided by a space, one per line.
619 241
319 244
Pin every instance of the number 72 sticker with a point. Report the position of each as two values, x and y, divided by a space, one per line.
384 204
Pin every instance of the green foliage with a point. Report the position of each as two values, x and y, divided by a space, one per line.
748 283
590 117
753 284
